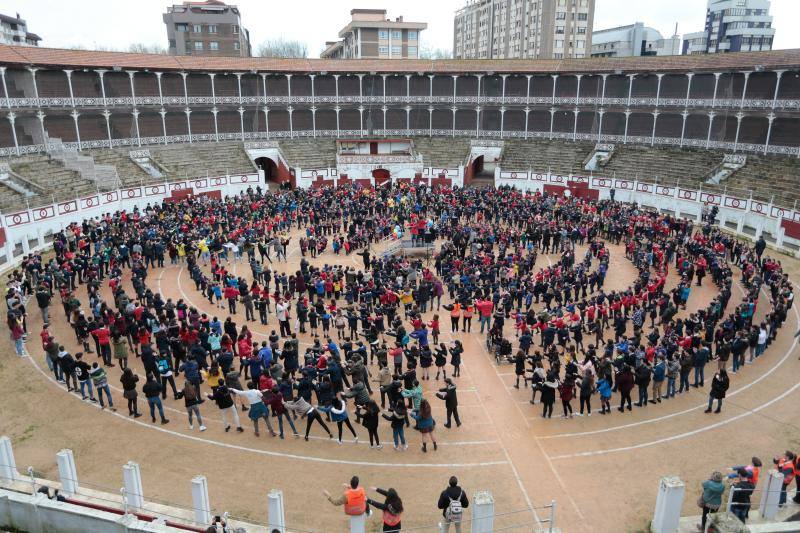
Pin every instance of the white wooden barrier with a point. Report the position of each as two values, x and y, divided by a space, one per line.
67 472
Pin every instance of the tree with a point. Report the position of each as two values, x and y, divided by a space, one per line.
141 48
282 48
435 53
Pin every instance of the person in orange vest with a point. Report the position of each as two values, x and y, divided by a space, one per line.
354 499
392 508
786 466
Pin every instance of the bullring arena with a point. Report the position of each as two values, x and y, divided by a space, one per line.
690 138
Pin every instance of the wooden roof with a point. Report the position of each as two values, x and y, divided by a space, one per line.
77 59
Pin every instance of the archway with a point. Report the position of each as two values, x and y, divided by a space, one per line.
477 166
270 169
381 176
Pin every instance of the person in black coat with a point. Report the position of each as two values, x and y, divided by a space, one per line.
448 394
453 493
719 386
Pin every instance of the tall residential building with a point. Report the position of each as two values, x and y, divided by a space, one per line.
209 28
515 29
14 30
733 26
370 35
633 40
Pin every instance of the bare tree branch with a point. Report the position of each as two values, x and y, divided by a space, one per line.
282 48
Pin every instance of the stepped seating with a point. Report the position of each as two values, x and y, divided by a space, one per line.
442 152
666 165
200 159
309 153
129 172
768 177
539 155
60 182
11 200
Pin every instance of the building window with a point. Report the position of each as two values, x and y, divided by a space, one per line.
397 51
559 30
412 35
558 43
198 45
558 55
579 56
383 35
237 46
212 28
213 45
581 31
561 15
383 50
581 44
583 16
235 29
197 28
181 27
397 35
412 51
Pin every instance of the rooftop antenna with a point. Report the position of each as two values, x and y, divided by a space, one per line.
676 30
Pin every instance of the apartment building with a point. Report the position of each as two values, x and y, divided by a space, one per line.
209 28
14 30
517 29
371 35
733 26
633 40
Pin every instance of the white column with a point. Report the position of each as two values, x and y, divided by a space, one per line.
12 118
33 70
744 89
8 466
131 74
504 76
430 121
603 96
290 109
555 77
200 501
669 501
408 119
5 87
627 117
430 94
384 86
455 82
771 118
133 485
69 83
314 121
75 116
239 83
40 115
67 473
478 121
552 119
528 90
774 98
408 86
716 85
527 112
575 124
655 121
454 108
711 116
358 524
689 75
100 74
213 75
163 113
480 77
107 116
241 120
360 83
265 109
337 109
185 88
601 112
384 109
482 512
135 114
770 495
160 91
685 115
361 120
578 90
630 87
188 123
658 90
264 85
502 120
739 117
275 512
214 112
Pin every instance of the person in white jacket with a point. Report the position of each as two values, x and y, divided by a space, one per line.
257 409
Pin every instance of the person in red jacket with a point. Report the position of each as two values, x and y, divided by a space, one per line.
485 308
103 336
231 293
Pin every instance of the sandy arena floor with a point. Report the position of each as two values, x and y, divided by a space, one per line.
603 471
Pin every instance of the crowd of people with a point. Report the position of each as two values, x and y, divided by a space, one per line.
354 342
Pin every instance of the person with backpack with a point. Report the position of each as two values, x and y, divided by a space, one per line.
452 501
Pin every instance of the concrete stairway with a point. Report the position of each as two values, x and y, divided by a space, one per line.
202 159
539 155
54 178
309 153
105 176
442 152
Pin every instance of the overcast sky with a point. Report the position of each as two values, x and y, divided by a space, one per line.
117 24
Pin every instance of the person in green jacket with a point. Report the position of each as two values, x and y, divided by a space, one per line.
711 499
415 394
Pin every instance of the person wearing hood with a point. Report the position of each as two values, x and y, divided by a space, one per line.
742 489
711 498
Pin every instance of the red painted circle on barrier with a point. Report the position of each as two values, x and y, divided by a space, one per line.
735 202
131 193
154 190
687 194
244 179
217 181
109 197
67 208
711 198
90 202
759 208
16 219
623 184
42 213
314 173
513 174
